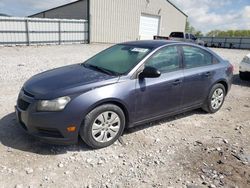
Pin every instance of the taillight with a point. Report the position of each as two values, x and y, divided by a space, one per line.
230 68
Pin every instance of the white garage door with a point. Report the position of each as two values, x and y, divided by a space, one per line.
149 26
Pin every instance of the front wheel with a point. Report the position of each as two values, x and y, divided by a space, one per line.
215 99
103 126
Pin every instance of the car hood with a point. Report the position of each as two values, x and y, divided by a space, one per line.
65 81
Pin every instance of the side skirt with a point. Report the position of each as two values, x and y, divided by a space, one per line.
164 116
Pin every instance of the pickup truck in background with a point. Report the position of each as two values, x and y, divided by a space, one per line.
181 36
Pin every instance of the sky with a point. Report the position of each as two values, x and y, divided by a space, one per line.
207 15
204 15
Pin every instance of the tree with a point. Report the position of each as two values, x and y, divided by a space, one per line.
229 33
192 30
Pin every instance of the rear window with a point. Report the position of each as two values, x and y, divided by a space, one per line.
177 35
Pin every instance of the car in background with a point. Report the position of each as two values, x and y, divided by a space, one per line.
185 37
126 85
245 68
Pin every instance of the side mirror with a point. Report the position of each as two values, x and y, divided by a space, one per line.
150 72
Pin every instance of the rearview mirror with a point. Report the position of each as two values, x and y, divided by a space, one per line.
150 72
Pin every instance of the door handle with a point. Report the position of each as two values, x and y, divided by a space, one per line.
177 82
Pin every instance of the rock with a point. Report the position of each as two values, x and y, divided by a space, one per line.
60 165
238 128
89 160
121 155
9 149
221 177
202 177
100 162
212 186
157 162
120 139
67 172
218 149
46 178
198 143
220 162
157 140
111 171
204 183
19 186
29 170
225 141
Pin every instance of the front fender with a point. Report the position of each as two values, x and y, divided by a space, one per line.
122 93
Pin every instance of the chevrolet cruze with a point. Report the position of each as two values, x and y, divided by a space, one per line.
123 86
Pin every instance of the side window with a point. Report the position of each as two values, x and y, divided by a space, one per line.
165 60
196 57
187 36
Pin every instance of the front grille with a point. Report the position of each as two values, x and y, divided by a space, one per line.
28 94
23 105
53 133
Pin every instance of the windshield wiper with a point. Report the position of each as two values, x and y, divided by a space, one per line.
100 69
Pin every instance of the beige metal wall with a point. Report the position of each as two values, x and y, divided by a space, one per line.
77 10
36 31
113 21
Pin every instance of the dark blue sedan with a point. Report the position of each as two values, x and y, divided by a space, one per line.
123 86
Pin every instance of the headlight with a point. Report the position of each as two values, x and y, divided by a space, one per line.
53 105
246 60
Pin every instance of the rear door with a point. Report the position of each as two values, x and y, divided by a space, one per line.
198 74
159 96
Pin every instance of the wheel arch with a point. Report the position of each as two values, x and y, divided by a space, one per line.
113 101
224 83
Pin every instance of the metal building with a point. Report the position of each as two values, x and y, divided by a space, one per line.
112 21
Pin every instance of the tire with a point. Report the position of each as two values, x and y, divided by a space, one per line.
103 126
215 100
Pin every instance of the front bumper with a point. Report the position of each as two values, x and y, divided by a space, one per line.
244 67
50 127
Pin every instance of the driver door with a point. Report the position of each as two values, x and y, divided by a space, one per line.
160 96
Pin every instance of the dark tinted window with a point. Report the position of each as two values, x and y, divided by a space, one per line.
187 36
177 35
196 57
165 60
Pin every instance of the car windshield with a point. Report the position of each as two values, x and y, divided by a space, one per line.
117 60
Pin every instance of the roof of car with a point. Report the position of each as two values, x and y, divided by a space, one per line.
149 43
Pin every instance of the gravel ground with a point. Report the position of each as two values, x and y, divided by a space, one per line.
194 149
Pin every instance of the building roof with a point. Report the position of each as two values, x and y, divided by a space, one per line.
177 8
90 0
56 8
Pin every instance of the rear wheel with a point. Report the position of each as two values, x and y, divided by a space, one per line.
103 126
215 99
